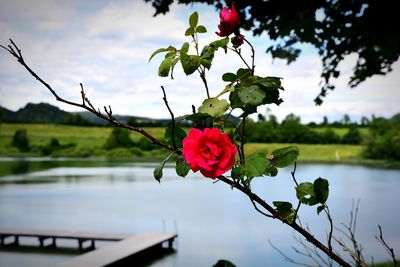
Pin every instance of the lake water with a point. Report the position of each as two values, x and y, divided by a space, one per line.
213 221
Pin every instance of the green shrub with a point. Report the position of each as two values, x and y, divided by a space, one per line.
118 138
20 140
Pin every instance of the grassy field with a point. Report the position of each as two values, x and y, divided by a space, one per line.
89 142
341 131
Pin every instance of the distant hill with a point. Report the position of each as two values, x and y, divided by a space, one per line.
35 113
46 113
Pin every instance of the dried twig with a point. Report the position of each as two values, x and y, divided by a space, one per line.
389 250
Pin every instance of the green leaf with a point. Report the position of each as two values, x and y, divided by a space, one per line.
256 165
182 167
305 194
158 173
165 66
178 136
271 171
214 106
251 95
197 117
320 208
160 50
173 66
190 63
201 29
243 73
207 55
271 82
224 263
321 189
238 172
284 156
185 48
194 19
229 77
285 209
190 31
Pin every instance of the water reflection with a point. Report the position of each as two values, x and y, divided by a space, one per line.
213 221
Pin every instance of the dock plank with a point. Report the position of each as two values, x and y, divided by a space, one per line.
119 250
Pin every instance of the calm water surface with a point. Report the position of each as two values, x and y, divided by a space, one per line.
213 221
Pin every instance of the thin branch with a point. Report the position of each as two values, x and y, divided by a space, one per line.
386 246
172 118
288 259
297 184
16 52
253 54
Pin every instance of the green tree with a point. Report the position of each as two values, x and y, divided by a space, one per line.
20 140
353 136
118 138
335 28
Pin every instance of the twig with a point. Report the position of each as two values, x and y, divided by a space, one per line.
297 184
386 246
288 259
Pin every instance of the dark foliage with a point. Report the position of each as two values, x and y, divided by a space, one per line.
335 28
20 140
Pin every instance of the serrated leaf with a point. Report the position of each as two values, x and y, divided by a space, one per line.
284 156
256 165
160 50
207 55
305 194
251 95
321 189
243 73
190 31
165 66
178 135
214 106
271 82
201 29
182 167
190 63
285 209
229 77
194 19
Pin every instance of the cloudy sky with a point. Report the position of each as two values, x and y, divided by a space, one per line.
106 46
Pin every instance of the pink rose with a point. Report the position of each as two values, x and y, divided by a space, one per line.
229 21
210 152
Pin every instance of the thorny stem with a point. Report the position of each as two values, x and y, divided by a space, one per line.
241 57
276 215
172 118
328 214
255 199
253 54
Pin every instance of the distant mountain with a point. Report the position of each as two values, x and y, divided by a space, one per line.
46 113
35 113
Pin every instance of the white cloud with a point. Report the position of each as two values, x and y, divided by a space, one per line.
106 45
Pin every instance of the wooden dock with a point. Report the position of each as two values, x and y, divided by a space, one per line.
53 236
123 248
